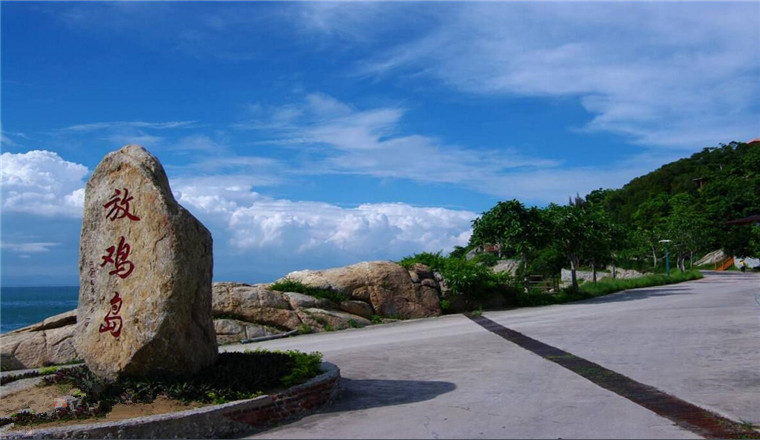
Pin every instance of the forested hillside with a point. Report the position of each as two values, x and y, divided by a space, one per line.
683 207
689 200
687 203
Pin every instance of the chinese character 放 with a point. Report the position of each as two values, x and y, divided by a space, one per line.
123 267
120 206
112 320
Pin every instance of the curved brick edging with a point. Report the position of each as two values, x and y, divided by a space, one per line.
226 420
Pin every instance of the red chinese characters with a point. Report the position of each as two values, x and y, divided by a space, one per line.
119 205
118 256
113 322
118 208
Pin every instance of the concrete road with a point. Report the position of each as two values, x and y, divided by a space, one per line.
448 377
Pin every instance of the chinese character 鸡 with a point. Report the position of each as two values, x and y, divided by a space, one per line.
123 267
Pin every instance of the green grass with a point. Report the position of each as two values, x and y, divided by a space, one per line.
609 286
288 285
603 287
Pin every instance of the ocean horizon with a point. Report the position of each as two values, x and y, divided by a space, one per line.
23 306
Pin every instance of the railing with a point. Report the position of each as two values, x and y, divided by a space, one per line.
538 282
724 264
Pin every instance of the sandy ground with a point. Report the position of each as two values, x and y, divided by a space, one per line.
40 399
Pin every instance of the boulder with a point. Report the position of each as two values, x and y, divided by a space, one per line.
49 342
56 321
321 319
414 277
422 271
710 258
231 298
387 286
359 308
508 266
303 301
231 330
456 303
145 270
429 283
283 319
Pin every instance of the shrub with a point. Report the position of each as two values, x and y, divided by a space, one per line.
234 376
304 367
487 259
603 287
475 282
288 285
445 304
609 285
431 260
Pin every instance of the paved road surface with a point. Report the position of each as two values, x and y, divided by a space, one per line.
448 377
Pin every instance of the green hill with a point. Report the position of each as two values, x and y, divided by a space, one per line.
707 189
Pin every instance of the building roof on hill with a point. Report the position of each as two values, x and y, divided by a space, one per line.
744 221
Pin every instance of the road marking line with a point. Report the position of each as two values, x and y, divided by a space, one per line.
686 415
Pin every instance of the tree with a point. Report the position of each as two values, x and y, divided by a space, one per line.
687 227
569 233
583 232
513 228
604 238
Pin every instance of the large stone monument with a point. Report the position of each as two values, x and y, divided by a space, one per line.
145 269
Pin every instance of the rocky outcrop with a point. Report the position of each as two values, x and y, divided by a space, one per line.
359 308
385 285
331 319
589 276
506 266
46 343
145 274
257 304
247 311
232 330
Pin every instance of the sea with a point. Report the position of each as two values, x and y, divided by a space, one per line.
22 306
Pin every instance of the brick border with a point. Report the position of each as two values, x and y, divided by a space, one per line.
226 420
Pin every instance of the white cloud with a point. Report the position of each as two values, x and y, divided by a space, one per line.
142 139
41 182
95 126
663 74
337 138
345 140
317 232
29 248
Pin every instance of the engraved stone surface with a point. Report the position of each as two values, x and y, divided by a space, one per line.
145 269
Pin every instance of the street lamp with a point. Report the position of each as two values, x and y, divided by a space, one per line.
667 257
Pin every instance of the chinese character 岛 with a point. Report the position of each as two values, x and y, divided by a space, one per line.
123 267
120 206
112 320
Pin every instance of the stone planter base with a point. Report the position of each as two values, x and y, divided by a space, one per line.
226 420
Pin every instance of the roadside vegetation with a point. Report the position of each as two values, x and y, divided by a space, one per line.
289 285
601 288
680 209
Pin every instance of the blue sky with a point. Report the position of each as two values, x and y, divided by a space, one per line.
319 134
